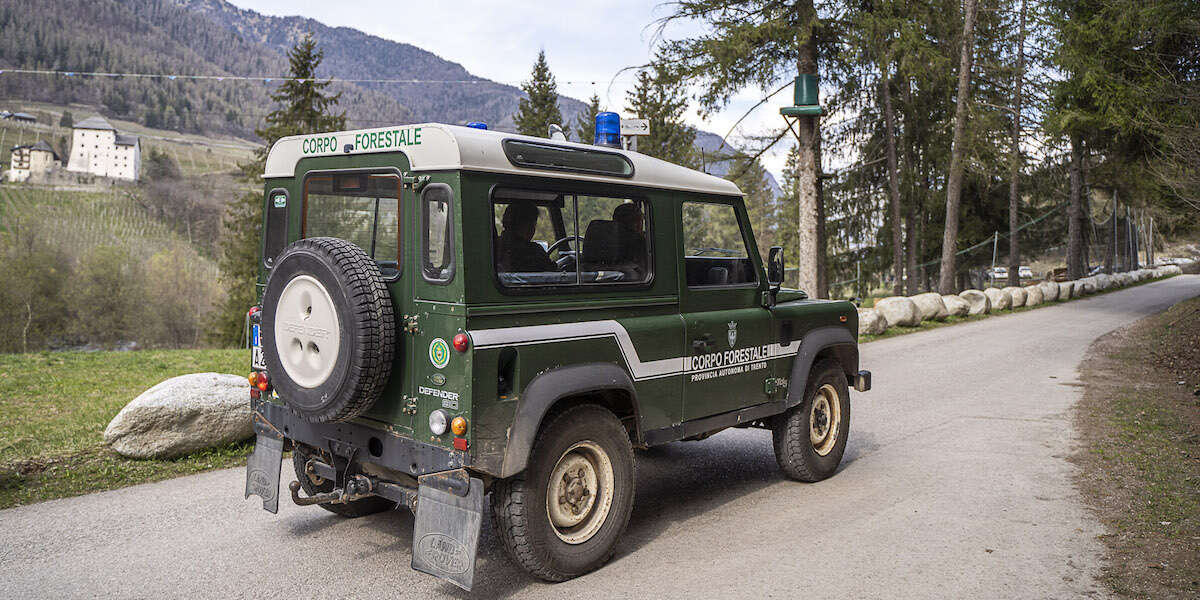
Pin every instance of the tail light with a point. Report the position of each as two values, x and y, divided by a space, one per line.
259 381
461 341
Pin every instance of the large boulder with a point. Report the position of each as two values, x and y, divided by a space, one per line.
1084 286
1168 270
1103 281
1049 291
1066 290
899 311
1033 295
870 322
1189 267
980 304
1017 294
956 306
931 305
182 415
1000 299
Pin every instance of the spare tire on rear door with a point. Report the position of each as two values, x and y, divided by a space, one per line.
328 331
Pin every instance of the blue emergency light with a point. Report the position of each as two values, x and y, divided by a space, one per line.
608 129
477 125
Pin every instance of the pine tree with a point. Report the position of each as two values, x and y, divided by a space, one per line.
539 109
761 43
304 107
585 123
751 178
661 100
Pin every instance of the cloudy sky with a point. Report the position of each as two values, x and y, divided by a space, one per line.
585 42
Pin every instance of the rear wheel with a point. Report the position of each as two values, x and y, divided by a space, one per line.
562 517
313 485
810 437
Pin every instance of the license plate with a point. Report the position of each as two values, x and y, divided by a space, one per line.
256 352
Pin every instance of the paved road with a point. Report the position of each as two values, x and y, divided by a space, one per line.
955 485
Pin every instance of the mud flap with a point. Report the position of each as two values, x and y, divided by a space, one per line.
262 471
446 533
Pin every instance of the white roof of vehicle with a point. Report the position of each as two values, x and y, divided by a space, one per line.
434 147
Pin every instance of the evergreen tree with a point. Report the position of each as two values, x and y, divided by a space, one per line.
765 220
661 100
304 106
762 43
585 123
539 109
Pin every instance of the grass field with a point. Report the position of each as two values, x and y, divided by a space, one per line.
56 406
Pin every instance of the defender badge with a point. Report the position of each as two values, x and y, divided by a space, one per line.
732 337
439 353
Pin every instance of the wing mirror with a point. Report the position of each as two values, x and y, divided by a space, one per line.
775 269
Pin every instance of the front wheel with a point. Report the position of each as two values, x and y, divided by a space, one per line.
810 437
563 515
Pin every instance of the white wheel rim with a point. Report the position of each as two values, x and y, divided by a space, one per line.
824 420
307 337
579 494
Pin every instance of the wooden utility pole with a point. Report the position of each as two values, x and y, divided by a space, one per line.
957 152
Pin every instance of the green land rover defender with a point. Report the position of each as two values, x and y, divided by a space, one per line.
449 312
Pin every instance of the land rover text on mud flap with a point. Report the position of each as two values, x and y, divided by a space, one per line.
448 312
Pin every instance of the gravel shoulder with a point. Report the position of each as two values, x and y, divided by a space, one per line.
1139 422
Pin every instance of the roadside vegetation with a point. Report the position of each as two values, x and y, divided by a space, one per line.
56 406
1140 457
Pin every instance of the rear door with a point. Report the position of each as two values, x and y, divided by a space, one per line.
727 331
362 199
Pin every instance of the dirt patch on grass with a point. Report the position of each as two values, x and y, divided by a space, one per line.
1140 457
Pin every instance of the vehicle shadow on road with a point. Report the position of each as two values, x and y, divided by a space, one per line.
675 482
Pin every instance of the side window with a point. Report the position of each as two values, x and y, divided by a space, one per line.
437 242
569 240
277 224
714 249
360 208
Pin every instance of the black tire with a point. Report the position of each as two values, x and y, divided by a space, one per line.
358 508
795 450
519 504
366 339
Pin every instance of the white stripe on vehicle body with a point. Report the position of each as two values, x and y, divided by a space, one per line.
567 332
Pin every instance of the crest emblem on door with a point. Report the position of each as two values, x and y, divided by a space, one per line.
732 336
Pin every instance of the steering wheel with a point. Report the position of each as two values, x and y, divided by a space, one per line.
560 242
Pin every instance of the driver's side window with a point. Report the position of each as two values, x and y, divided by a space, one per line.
557 239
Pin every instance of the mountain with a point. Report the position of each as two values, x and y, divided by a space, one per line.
213 37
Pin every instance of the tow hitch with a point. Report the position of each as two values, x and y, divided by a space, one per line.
448 506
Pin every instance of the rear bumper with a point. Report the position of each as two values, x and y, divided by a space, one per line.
862 381
358 443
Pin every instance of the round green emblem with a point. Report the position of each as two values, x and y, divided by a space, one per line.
439 353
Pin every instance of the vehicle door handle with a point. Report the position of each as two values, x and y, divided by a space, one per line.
700 345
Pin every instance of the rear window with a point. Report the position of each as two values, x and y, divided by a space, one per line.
362 208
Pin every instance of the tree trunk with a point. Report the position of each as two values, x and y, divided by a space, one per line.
889 124
954 180
1074 214
913 280
1014 163
810 242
